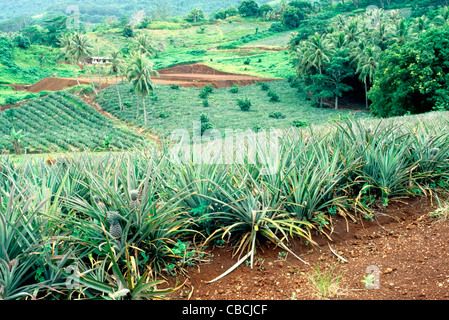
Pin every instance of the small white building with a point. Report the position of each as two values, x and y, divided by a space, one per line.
98 60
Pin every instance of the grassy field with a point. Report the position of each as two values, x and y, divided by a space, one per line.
171 109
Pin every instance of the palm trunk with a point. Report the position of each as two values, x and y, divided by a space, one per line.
366 94
321 98
336 101
92 81
99 67
137 116
144 111
118 93
99 75
76 74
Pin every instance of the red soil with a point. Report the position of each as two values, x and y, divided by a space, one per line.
199 75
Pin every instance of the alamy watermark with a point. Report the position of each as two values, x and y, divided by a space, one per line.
73 20
231 146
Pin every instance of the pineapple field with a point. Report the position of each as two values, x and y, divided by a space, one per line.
275 150
134 225
63 122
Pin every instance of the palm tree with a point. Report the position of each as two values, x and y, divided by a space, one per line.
144 45
352 30
140 71
443 17
401 32
421 24
116 70
80 50
368 62
317 53
339 40
65 42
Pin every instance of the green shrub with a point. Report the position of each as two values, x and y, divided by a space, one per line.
207 89
274 97
175 86
163 115
11 100
247 61
299 123
234 88
204 118
244 104
277 115
206 103
206 126
264 86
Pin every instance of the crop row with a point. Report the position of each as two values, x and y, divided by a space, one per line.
63 121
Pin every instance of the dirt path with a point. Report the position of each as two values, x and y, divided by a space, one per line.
407 250
91 101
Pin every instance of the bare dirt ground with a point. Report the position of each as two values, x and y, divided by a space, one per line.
404 247
198 75
189 75
56 84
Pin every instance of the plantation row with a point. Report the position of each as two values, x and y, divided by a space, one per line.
125 221
61 121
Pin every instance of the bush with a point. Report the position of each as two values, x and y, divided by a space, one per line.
299 123
175 86
234 88
277 115
264 86
276 27
247 61
11 100
207 89
206 103
163 115
128 32
244 104
206 126
204 118
274 97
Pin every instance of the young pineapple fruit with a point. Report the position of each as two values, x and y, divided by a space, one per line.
115 229
99 203
135 202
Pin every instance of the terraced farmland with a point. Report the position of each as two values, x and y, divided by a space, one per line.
63 122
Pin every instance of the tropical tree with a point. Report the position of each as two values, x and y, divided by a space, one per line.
139 72
367 65
413 77
443 17
352 30
144 45
80 50
16 138
421 24
248 8
316 54
195 15
116 70
401 32
66 43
